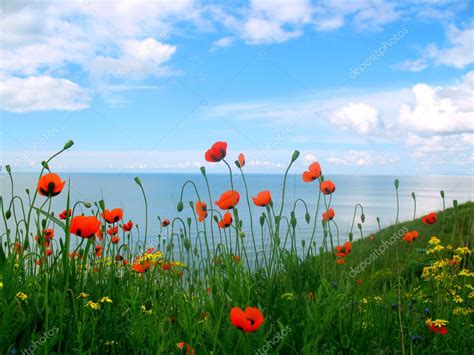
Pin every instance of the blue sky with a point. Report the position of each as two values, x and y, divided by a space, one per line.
364 87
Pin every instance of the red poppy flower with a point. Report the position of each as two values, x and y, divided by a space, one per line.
141 267
112 216
201 210
217 152
228 200
340 261
48 233
241 160
189 349
50 185
327 187
99 234
42 240
438 326
329 214
262 199
127 227
48 252
249 320
84 226
313 172
115 239
65 214
359 281
235 258
98 250
429 218
226 221
410 236
112 230
344 250
165 223
17 248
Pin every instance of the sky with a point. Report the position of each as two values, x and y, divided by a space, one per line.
363 87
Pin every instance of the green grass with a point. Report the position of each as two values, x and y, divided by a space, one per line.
311 304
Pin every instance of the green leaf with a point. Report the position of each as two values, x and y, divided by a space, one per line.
51 217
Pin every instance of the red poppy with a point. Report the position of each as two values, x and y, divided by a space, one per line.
327 187
141 267
65 214
165 223
410 236
42 240
98 250
127 227
167 266
85 226
359 281
228 200
50 185
249 320
201 210
262 199
189 349
99 234
429 218
48 252
112 216
340 261
437 326
329 214
112 230
48 233
17 248
115 239
241 160
226 221
344 250
217 152
235 258
313 172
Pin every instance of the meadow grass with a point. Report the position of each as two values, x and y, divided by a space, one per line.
374 295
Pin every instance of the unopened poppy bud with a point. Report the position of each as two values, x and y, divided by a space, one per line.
303 243
27 191
441 193
43 223
351 236
68 144
262 219
191 203
359 226
138 181
8 214
241 223
397 183
189 220
45 165
242 234
87 205
293 222
295 156
7 168
362 217
307 217
203 170
413 195
277 219
187 244
237 164
169 247
216 218
455 204
180 206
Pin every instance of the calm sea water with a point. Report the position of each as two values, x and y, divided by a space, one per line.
375 193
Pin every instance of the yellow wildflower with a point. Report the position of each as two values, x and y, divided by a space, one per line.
21 296
83 295
466 272
146 310
457 299
105 299
434 241
93 305
438 248
462 311
462 251
288 296
1 284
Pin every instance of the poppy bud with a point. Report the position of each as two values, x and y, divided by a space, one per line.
351 236
396 183
237 164
169 247
8 214
441 193
359 226
187 244
216 218
189 222
293 222
203 170
180 206
45 165
303 243
413 195
138 181
68 144
27 191
307 217
242 234
7 168
295 156
87 204
455 204
191 204
362 217
262 219
43 223
277 219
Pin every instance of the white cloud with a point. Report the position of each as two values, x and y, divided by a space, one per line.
259 30
222 43
360 118
309 158
441 110
41 93
458 53
361 158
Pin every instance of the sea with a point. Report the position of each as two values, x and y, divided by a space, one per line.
376 194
